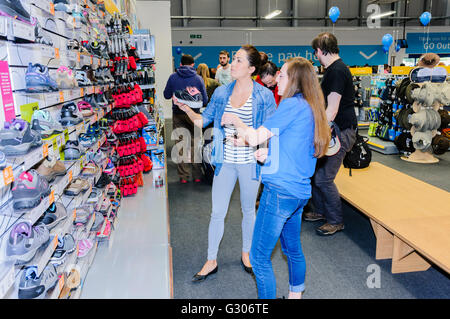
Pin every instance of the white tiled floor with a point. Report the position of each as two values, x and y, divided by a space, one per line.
135 263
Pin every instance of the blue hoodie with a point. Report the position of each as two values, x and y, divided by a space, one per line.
184 77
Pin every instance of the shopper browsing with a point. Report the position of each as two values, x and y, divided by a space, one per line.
338 90
223 72
186 76
211 84
300 129
253 104
268 77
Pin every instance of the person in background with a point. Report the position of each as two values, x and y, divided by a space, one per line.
264 60
212 73
211 84
339 93
184 77
299 127
268 75
253 103
223 73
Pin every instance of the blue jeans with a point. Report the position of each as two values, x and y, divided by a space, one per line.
279 216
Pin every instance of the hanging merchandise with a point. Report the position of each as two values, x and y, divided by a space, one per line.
426 122
57 143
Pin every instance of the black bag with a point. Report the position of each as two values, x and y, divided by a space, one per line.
360 155
208 168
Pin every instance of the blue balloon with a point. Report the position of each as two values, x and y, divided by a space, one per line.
425 18
397 47
334 14
387 40
178 50
385 48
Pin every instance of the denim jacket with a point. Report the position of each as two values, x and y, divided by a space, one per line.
263 105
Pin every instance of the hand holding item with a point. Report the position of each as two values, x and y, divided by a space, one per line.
261 154
182 106
236 140
229 119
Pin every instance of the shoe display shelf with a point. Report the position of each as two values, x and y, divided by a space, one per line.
42 257
15 165
20 46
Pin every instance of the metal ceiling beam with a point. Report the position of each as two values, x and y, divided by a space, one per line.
293 18
294 8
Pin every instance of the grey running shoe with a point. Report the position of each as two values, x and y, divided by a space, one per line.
83 214
29 189
33 287
67 243
98 222
58 257
43 123
17 138
24 240
73 151
53 215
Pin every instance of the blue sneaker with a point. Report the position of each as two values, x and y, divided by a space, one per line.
87 140
38 79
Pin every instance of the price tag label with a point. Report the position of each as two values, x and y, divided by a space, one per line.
55 242
8 176
45 150
61 283
57 53
52 8
51 199
82 92
78 56
61 96
74 214
70 176
92 60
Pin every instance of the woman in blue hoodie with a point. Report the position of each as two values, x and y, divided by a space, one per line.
252 103
186 76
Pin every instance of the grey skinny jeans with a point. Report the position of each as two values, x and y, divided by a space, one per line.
222 188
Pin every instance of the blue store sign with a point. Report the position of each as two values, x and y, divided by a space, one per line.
353 55
436 42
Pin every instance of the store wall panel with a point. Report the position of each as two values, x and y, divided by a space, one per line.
203 8
155 16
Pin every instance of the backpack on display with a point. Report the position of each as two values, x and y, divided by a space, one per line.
360 155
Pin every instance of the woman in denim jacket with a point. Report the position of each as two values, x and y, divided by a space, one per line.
299 134
253 103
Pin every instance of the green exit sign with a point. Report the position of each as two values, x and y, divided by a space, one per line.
195 36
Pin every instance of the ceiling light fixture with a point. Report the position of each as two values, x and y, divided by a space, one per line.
273 14
381 15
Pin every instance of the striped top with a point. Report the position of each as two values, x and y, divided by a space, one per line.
239 154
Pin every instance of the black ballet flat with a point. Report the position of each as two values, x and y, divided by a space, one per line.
247 269
199 278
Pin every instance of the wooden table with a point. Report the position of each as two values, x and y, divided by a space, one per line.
410 218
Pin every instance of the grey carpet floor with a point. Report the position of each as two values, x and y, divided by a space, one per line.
342 266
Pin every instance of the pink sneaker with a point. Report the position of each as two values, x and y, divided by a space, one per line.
84 247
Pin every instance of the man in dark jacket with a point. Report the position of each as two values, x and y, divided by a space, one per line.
186 76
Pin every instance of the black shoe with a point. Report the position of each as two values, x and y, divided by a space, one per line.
247 269
104 180
194 100
198 278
